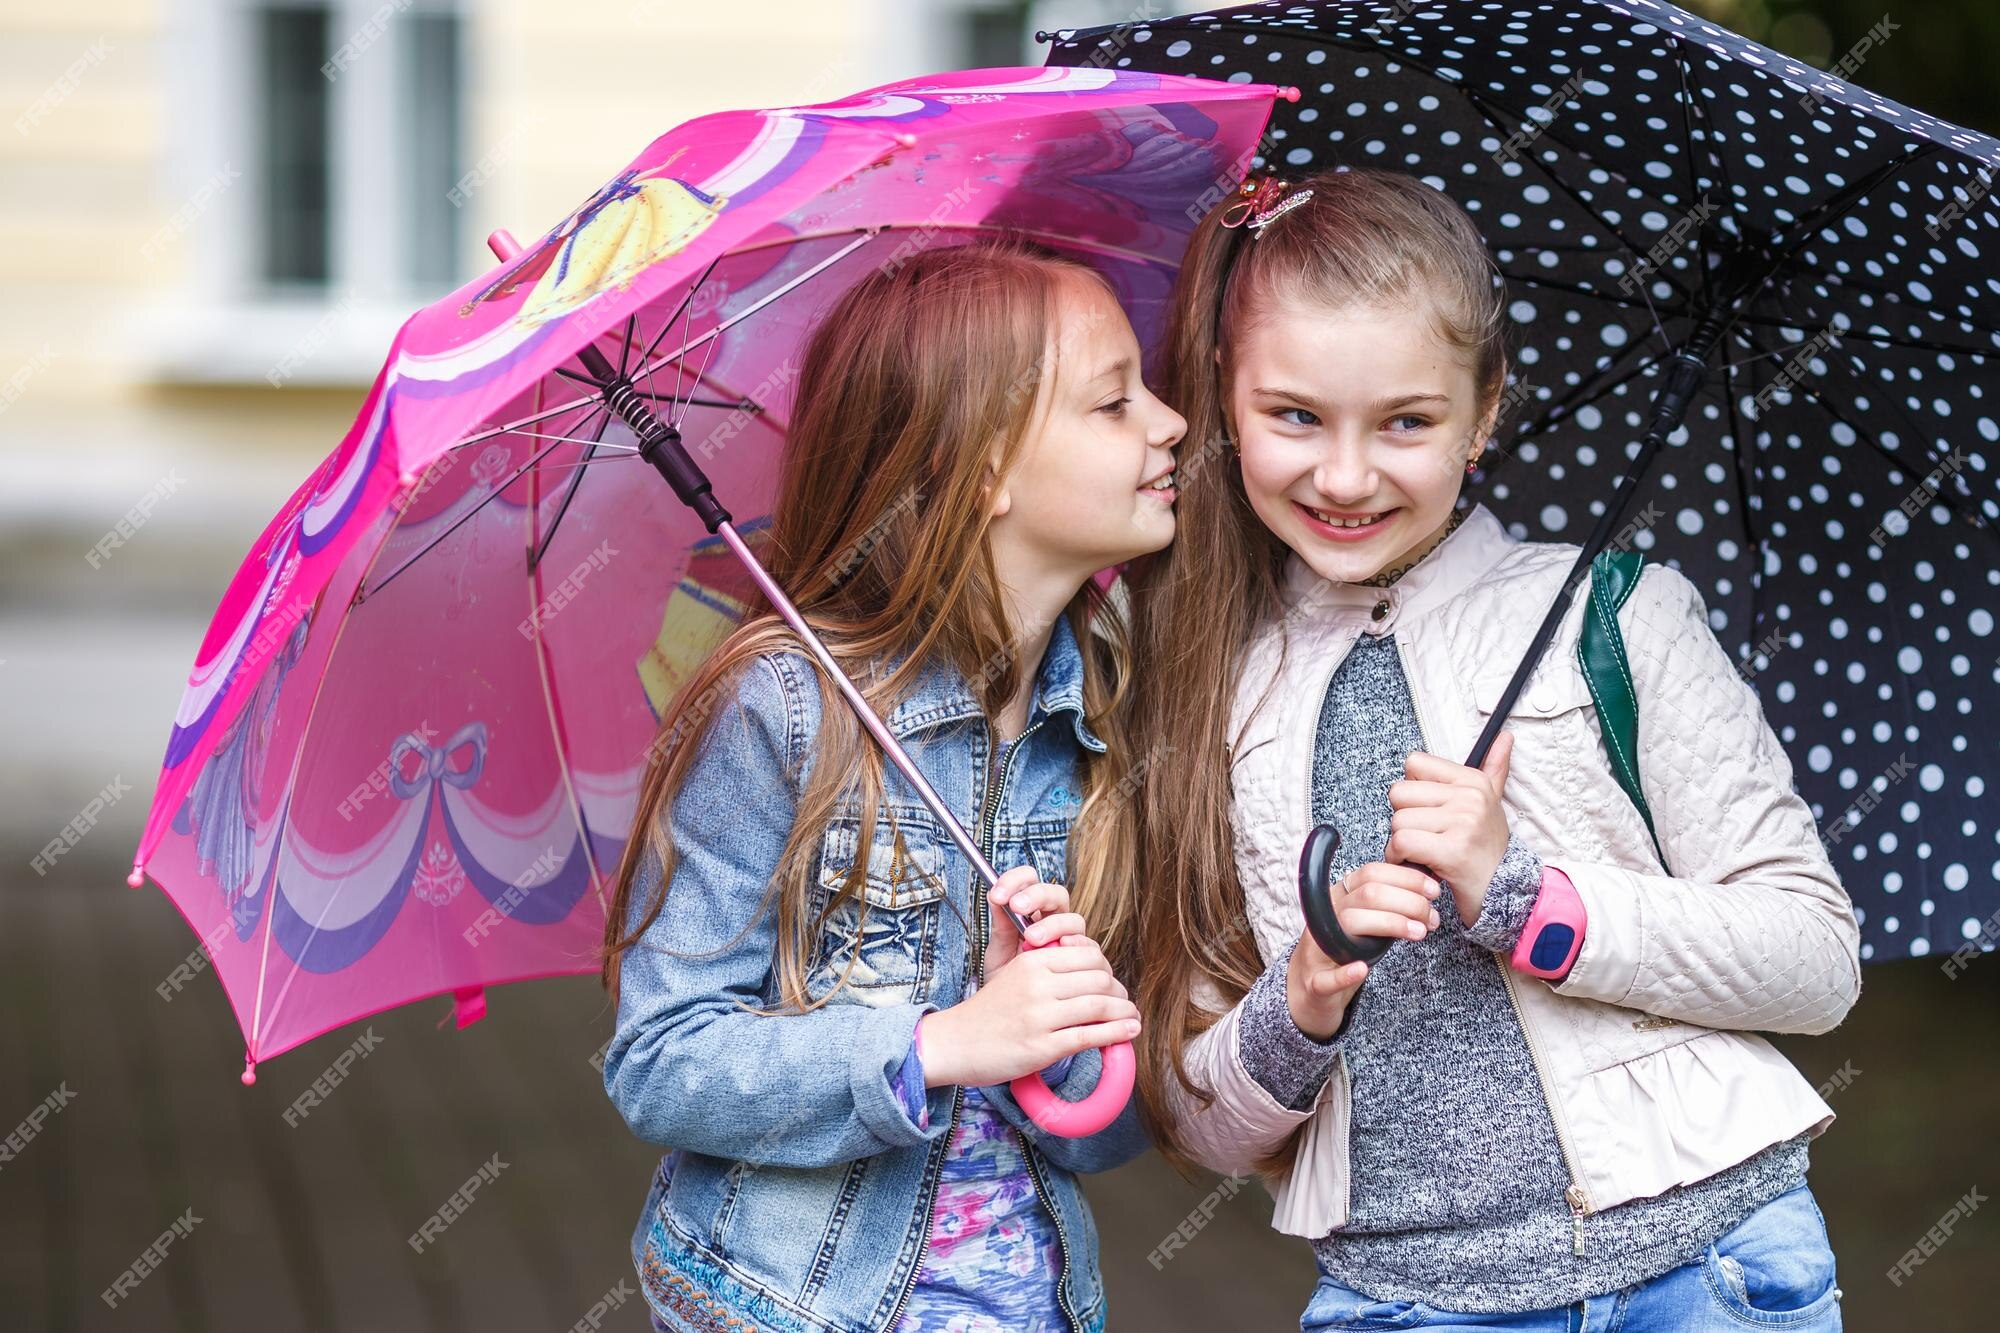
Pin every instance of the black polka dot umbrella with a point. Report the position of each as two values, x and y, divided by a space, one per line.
1771 297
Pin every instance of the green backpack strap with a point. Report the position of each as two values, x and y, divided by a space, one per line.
1600 650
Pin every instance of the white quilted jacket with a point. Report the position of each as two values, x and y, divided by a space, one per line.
1648 1051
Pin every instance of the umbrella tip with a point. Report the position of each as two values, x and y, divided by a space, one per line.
137 879
1289 93
249 1070
502 243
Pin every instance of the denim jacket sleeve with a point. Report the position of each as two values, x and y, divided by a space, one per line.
689 1066
1114 1145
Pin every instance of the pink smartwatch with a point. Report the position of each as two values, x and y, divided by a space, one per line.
1553 936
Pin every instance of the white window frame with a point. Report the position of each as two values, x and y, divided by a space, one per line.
229 325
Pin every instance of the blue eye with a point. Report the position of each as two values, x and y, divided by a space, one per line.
1284 412
1418 423
1116 407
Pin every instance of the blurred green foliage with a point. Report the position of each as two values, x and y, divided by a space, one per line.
1934 58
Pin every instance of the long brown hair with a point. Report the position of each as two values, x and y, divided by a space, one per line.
916 385
1365 238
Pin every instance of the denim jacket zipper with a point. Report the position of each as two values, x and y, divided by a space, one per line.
989 803
989 810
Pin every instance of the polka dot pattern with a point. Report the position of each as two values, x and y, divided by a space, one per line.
1832 490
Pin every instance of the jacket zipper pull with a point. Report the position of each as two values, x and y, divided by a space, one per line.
1576 1210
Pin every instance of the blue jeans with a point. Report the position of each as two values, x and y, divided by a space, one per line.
1775 1270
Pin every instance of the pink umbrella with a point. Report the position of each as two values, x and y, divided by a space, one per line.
402 766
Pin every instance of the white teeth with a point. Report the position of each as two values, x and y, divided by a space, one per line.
1333 522
1163 484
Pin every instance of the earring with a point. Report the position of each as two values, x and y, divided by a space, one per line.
1472 464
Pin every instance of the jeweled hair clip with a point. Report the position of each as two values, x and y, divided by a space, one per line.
1262 200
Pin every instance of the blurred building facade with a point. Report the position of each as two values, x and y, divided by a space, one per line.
213 216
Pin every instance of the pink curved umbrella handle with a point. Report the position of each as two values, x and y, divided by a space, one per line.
1087 1115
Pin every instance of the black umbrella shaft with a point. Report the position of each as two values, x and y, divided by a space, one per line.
1684 375
659 443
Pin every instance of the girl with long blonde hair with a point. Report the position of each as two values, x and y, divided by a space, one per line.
814 1004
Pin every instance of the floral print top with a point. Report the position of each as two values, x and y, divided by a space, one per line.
993 1257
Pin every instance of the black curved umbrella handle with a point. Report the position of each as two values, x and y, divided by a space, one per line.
1316 901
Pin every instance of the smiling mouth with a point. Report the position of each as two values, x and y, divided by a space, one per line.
1348 522
1163 482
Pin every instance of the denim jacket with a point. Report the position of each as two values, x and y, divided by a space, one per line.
798 1192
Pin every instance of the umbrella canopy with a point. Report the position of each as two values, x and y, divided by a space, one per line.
1677 208
410 751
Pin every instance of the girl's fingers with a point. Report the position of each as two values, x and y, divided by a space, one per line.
1079 953
1057 926
1074 1041
1095 981
1426 818
1032 897
1396 876
1417 845
1079 1010
1409 794
1384 925
1383 898
1423 767
1012 882
1326 982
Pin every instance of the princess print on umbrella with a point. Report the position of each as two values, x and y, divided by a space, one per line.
637 219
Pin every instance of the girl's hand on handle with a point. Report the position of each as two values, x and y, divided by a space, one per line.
1036 1007
1449 818
1395 901
1032 898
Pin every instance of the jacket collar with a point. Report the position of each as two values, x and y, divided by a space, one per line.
941 694
1452 566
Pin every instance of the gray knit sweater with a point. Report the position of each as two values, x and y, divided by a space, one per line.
1458 1179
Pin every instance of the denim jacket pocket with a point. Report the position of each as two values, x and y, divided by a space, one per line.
895 914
